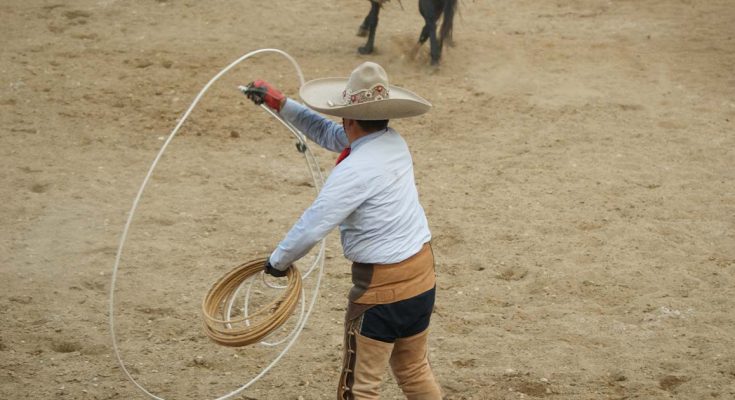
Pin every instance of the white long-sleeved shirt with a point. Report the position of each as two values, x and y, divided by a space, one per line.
371 195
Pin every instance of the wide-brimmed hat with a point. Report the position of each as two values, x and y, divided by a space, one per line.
364 95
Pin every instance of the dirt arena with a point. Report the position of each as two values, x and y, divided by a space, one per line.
577 170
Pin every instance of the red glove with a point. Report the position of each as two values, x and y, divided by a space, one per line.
261 92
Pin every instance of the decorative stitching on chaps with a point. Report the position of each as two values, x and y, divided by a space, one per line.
347 377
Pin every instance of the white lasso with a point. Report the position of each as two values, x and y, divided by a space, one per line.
318 264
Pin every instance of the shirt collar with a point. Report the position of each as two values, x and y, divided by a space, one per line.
367 138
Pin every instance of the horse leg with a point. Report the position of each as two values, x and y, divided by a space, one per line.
416 47
430 14
436 46
424 36
448 9
371 22
364 28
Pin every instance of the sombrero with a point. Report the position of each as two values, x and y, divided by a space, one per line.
365 95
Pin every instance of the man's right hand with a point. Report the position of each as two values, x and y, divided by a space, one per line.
260 92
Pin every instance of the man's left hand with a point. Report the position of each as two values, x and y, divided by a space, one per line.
272 271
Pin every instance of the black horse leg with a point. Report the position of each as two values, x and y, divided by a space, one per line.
424 36
436 46
430 11
371 22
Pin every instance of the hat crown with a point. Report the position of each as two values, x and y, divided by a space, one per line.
368 82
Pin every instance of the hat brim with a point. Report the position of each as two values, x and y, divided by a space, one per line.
325 96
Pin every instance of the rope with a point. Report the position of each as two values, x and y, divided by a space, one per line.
246 330
317 266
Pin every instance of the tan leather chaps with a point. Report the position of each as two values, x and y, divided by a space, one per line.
366 359
365 362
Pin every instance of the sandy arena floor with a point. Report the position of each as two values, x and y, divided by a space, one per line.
578 172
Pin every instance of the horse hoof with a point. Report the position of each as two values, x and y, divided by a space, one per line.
365 50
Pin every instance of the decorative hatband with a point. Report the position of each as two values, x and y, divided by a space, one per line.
377 92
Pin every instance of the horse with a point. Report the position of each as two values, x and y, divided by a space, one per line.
431 10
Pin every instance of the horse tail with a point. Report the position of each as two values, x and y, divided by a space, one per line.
445 32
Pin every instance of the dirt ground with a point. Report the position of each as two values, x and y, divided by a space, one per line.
577 170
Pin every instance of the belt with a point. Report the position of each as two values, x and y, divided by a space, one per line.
388 283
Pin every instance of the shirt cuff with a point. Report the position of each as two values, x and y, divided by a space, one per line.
275 263
290 109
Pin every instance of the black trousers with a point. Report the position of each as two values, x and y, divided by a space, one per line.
388 322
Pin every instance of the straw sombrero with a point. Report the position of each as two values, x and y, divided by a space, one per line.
365 95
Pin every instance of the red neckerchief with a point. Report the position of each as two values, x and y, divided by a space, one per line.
343 155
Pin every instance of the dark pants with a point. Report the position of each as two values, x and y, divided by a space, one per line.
388 322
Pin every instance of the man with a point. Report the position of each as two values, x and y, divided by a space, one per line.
371 195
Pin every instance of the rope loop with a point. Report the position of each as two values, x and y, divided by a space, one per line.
251 327
283 307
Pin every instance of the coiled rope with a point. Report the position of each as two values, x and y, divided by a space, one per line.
250 328
318 264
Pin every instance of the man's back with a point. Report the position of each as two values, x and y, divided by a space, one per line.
389 225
